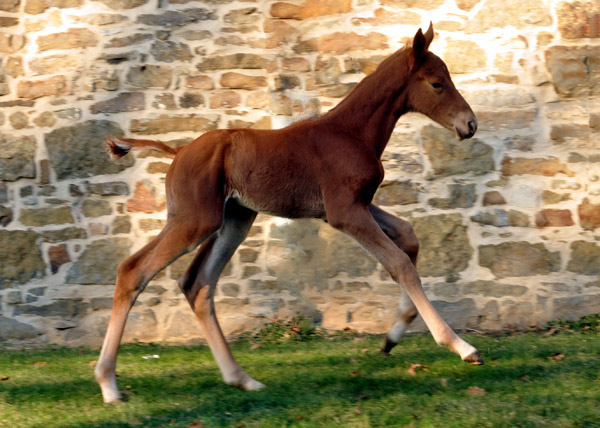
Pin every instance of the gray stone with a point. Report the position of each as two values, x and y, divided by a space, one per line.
14 297
240 60
459 315
501 218
78 151
149 76
95 208
125 101
14 330
67 308
21 257
172 18
98 303
511 259
62 235
450 157
494 289
574 307
98 264
123 4
444 245
397 193
16 157
45 216
121 224
517 314
572 74
585 258
445 289
168 51
230 290
111 188
461 196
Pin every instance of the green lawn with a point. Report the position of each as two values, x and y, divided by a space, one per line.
529 380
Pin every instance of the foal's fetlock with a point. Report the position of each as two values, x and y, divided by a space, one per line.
387 345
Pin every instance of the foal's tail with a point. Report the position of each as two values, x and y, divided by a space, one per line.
119 147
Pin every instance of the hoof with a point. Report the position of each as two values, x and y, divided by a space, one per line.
253 385
473 359
388 345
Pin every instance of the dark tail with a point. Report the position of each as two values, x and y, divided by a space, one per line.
119 147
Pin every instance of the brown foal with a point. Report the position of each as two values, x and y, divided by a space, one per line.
327 167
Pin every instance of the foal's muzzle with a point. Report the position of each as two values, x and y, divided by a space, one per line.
467 130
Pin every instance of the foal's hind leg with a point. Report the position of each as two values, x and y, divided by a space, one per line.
177 238
199 282
403 235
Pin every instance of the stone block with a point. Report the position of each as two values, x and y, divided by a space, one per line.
146 199
125 101
78 151
10 5
65 308
494 289
548 167
493 198
451 157
225 99
98 263
95 208
339 43
392 193
579 19
149 76
574 307
134 39
234 80
58 256
168 51
73 38
21 257
45 216
31 89
309 9
16 157
240 60
171 18
501 13
549 197
109 188
445 249
461 196
51 64
60 235
511 259
199 82
464 56
585 258
589 214
165 123
11 43
191 100
553 218
501 218
575 70
11 329
6 215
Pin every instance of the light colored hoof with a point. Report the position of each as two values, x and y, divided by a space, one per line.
473 359
252 385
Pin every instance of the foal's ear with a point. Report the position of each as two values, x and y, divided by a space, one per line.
421 43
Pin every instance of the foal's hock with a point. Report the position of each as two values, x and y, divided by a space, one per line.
327 168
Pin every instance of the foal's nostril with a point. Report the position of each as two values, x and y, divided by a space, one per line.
472 126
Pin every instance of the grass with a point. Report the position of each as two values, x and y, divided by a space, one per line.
529 380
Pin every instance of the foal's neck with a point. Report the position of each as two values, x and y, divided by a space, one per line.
370 112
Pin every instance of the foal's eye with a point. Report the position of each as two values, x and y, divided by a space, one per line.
437 85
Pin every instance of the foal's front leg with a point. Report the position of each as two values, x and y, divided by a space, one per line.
355 220
199 283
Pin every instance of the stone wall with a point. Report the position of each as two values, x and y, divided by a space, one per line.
508 221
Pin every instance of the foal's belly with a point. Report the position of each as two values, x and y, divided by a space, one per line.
282 203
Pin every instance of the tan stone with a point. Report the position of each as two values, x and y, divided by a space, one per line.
493 198
548 167
14 66
145 199
11 43
579 19
501 13
343 42
572 75
165 123
71 39
46 119
225 99
589 215
382 16
310 9
554 218
9 5
295 64
54 64
464 56
279 33
199 82
466 4
242 81
409 4
31 89
18 120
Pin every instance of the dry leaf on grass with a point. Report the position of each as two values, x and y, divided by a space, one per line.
93 363
255 346
444 382
3 378
414 368
558 356
476 391
39 364
195 424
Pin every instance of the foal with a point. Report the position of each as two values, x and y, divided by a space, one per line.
327 168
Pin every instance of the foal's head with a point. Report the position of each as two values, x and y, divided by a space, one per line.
430 90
